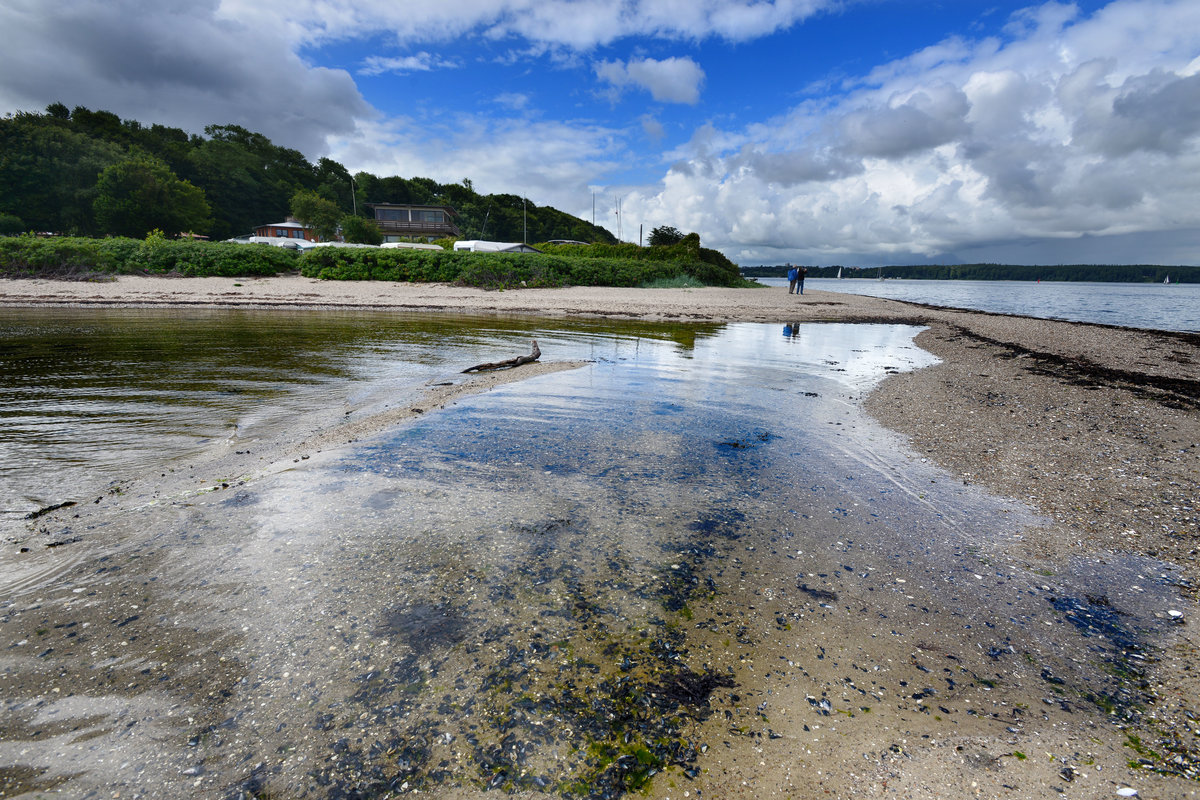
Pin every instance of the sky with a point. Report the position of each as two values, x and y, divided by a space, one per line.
855 132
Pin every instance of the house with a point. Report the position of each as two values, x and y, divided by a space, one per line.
289 229
403 221
479 246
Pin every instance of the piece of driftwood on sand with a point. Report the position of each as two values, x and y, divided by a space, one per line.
534 355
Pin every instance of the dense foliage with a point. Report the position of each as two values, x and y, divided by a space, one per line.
1112 273
561 266
710 267
22 256
224 183
665 236
618 265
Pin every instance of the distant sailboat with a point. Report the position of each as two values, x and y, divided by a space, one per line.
839 272
1167 279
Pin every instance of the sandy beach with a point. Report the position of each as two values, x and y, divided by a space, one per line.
1095 428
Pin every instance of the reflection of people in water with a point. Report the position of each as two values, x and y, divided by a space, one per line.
791 330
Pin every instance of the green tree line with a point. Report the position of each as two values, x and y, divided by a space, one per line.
89 173
1099 273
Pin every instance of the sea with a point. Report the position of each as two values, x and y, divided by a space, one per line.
1154 306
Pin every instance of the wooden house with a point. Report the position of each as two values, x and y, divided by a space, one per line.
404 221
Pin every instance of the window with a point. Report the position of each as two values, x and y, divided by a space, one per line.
429 216
392 214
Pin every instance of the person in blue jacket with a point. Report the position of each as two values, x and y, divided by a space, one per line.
793 273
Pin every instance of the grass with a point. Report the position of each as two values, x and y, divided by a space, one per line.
677 282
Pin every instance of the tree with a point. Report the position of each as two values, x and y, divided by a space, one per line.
139 194
665 236
360 230
48 172
11 225
314 211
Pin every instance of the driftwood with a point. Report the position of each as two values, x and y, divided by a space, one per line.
512 362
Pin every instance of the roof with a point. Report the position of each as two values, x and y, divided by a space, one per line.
289 224
480 246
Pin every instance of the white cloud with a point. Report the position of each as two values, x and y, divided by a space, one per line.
671 80
551 162
573 24
653 129
1078 129
401 65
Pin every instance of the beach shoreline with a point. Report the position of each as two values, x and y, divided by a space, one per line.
1096 428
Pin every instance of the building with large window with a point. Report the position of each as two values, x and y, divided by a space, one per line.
289 229
398 221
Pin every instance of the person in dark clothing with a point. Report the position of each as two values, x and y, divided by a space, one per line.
800 272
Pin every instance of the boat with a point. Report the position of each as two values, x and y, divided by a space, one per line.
839 272
1167 279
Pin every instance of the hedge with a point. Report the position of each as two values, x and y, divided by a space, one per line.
28 256
599 265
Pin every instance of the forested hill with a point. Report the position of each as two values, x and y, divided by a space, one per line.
75 172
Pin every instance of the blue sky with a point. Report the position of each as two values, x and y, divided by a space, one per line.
820 131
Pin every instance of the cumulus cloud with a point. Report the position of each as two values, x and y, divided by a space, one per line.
181 65
671 80
1072 129
925 120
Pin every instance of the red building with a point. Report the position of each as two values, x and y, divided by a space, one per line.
291 229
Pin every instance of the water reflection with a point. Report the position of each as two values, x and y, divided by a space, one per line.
92 396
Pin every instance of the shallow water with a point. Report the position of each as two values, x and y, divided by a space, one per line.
91 397
1173 307
647 569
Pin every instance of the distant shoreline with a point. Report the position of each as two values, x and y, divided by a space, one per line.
1067 273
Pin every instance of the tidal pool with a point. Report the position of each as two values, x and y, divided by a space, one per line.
691 565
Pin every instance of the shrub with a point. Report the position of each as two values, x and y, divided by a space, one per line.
29 256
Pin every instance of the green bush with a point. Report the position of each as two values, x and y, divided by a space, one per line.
563 266
30 256
708 266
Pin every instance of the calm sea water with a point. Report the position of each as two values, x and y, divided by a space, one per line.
1174 307
91 397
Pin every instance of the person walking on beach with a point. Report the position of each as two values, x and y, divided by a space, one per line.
800 271
792 275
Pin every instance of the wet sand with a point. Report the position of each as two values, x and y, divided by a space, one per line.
1093 427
